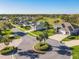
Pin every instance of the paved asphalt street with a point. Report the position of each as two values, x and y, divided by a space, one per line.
25 49
59 51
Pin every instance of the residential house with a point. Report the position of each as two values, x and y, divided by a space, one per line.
64 28
76 31
40 26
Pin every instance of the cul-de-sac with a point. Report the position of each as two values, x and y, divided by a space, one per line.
39 36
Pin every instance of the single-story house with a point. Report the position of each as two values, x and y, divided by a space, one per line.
64 28
38 26
76 31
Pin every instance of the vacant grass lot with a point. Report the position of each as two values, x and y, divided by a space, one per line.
75 52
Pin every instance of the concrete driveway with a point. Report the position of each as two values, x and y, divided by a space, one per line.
25 49
59 51
58 37
72 43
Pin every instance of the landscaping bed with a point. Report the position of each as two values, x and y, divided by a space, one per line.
8 50
41 47
72 37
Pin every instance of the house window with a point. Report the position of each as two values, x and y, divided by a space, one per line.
58 28
63 25
70 28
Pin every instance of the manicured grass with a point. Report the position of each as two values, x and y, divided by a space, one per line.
9 38
75 52
26 27
32 34
49 31
6 32
42 46
51 20
71 38
18 27
9 35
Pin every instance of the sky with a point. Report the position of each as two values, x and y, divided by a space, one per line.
39 6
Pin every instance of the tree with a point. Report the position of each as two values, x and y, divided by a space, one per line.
39 38
56 21
42 37
47 25
45 36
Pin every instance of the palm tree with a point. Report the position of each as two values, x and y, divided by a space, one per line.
39 38
47 25
45 34
42 37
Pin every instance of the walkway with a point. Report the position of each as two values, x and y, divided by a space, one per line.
58 37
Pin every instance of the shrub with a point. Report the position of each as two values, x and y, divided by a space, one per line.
7 50
14 37
72 37
6 32
27 27
42 46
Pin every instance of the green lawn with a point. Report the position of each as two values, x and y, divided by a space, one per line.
18 27
7 34
51 20
26 27
75 52
50 32
71 38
